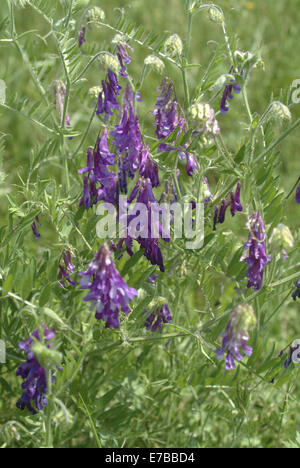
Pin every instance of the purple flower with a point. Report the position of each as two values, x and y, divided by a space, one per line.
227 94
107 99
149 168
257 258
108 292
81 38
235 203
124 57
169 117
34 375
127 136
100 184
297 196
236 335
66 270
296 293
155 320
34 227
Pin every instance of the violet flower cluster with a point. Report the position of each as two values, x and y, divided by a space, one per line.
159 316
235 336
227 94
169 117
257 258
107 99
234 203
108 292
34 225
100 183
35 377
66 270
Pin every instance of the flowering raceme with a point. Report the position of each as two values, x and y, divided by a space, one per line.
169 117
108 291
159 316
236 335
34 374
107 99
257 258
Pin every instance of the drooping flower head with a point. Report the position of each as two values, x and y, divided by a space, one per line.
148 167
124 57
100 183
34 374
81 38
234 203
227 94
257 257
108 292
66 269
236 335
107 99
34 225
169 117
160 314
127 136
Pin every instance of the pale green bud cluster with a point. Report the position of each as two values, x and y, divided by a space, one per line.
279 112
155 63
48 358
215 14
109 61
173 46
243 318
222 81
281 239
95 15
94 93
203 117
157 303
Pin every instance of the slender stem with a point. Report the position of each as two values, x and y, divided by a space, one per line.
85 133
245 96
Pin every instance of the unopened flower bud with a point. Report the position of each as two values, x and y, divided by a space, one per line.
95 15
94 94
222 81
155 63
215 14
279 111
110 61
48 358
244 317
281 239
173 46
